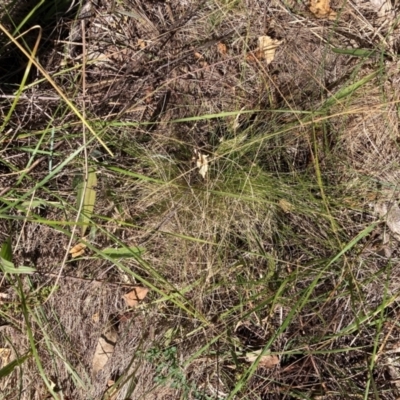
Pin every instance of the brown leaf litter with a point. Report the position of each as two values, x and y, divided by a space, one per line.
322 9
267 360
265 50
201 163
77 250
135 296
104 349
165 62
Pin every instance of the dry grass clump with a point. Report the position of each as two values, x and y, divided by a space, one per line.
276 250
371 137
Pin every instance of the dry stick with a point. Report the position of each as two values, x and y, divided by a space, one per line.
25 97
5 190
55 86
86 171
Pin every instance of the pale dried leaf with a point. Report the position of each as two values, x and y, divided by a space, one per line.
267 47
322 9
4 356
3 297
135 296
266 361
393 219
393 371
77 250
391 212
285 206
104 349
202 164
383 8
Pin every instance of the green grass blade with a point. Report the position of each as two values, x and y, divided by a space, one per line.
349 90
8 268
123 252
12 365
364 53
6 250
87 195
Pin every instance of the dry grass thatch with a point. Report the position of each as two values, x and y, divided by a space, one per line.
287 245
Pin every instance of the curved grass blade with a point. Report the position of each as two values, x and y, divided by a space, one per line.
6 250
8 268
123 252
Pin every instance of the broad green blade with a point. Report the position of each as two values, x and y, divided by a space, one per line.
6 250
8 268
11 366
123 252
89 199
365 53
349 90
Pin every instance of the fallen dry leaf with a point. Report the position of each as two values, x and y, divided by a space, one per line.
382 7
3 297
285 206
386 12
201 163
222 49
267 47
4 356
266 361
135 296
322 9
391 213
266 50
104 349
77 250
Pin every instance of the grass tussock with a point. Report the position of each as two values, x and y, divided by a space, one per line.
274 276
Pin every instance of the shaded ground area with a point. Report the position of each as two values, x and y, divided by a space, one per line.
287 246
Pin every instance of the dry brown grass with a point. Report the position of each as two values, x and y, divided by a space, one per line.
259 255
